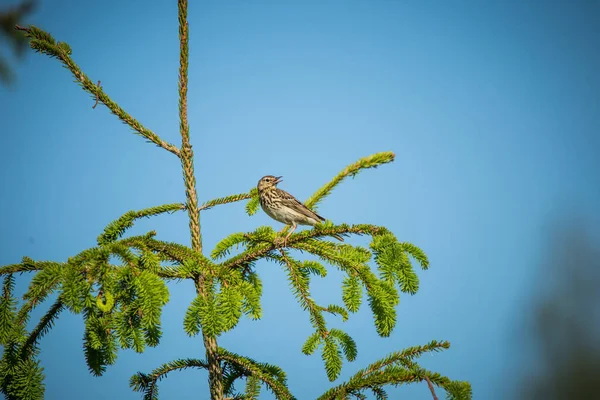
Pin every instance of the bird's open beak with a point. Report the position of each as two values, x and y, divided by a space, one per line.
278 179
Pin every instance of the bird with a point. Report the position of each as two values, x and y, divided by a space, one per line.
285 208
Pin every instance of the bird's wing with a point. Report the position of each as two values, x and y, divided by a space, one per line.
290 201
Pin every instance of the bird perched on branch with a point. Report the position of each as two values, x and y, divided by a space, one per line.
283 207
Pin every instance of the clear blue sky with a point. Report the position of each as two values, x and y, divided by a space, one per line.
492 108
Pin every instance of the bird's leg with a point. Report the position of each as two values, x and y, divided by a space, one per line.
294 226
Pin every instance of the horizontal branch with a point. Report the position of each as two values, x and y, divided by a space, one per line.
259 251
15 268
172 251
43 42
117 228
224 200
27 265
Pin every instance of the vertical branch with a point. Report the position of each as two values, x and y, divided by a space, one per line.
215 373
187 154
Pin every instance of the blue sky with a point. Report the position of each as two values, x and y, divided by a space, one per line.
492 109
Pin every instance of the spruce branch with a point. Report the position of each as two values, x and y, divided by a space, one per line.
148 383
372 161
396 369
191 262
254 203
8 310
300 280
332 340
227 199
232 373
43 42
42 328
410 353
117 228
43 283
260 251
18 268
27 265
252 388
272 376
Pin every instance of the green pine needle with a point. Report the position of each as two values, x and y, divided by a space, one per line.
372 161
117 228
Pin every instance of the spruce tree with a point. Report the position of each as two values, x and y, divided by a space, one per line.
121 302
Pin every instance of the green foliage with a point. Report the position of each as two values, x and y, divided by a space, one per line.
223 248
202 314
65 48
148 383
75 288
39 34
117 228
271 376
135 319
314 268
347 344
416 253
394 263
44 282
22 379
459 390
337 310
311 344
149 261
229 306
228 199
252 388
396 369
8 309
121 305
231 373
21 375
254 203
46 323
251 240
332 357
252 292
372 161
99 341
218 311
383 300
351 293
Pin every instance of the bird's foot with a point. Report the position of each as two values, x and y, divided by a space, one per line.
281 242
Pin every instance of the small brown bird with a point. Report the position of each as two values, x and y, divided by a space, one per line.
283 207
